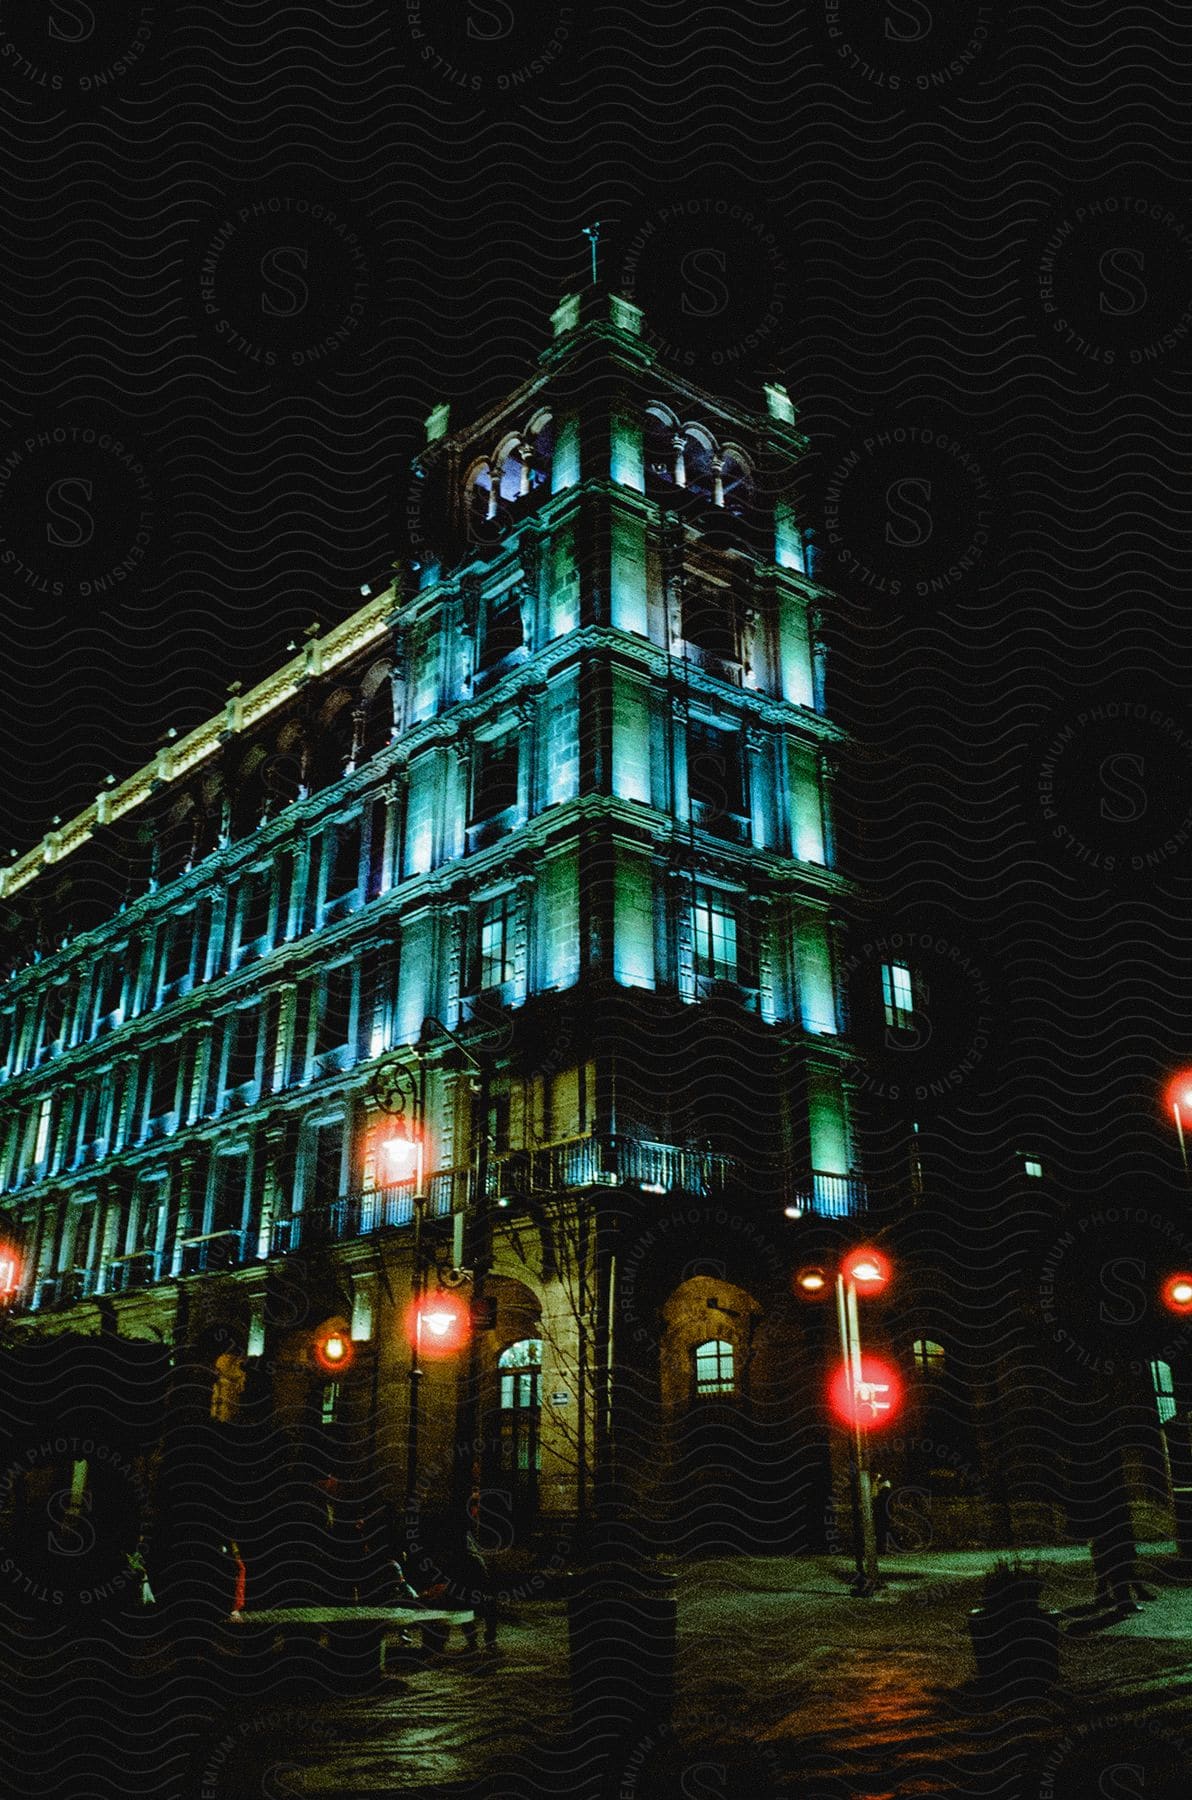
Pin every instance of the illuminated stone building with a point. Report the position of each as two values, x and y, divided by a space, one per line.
546 824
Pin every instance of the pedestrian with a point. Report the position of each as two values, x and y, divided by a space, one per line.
883 1497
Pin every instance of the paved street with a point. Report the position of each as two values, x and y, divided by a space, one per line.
788 1688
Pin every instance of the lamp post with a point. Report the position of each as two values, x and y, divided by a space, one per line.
864 1388
476 1250
400 1151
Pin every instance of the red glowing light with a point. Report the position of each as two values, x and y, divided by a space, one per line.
333 1351
867 1269
1177 1293
439 1324
1178 1095
10 1272
874 1400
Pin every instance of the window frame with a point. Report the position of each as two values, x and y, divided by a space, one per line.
721 1386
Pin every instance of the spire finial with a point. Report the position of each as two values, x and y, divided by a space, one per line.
592 233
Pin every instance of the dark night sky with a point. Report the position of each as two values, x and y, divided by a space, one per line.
248 248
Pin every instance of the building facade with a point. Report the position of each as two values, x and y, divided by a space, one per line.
488 950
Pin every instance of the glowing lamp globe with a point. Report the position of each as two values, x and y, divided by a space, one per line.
810 1283
399 1157
1177 1095
333 1351
439 1325
873 1401
867 1269
1177 1293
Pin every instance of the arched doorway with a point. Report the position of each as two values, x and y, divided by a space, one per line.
519 1424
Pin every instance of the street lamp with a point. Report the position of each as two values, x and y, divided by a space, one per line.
1177 1294
864 1392
1179 1099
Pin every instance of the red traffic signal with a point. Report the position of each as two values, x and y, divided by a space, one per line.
873 1400
333 1350
439 1324
1177 1293
867 1269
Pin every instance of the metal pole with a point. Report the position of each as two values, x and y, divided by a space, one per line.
415 1365
1179 1126
864 1534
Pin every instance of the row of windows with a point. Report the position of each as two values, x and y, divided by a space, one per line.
296 891
334 1020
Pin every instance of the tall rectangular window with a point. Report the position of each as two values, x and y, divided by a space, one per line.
502 630
716 930
335 1009
494 961
41 1142
256 905
342 860
715 772
229 1191
243 1035
898 996
494 781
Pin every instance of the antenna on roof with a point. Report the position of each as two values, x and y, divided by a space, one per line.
592 233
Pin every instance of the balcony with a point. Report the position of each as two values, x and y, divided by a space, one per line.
211 1252
483 832
124 1273
65 1289
710 816
830 1196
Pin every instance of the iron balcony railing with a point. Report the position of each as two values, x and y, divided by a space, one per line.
576 1165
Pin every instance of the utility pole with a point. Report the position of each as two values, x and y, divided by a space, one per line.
864 1532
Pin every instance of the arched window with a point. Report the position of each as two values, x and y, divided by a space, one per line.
659 445
715 1368
696 464
929 1358
734 490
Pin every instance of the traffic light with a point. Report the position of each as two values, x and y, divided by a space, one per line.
333 1350
867 1269
439 1325
1177 1294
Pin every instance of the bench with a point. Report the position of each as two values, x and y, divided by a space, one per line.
376 1623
